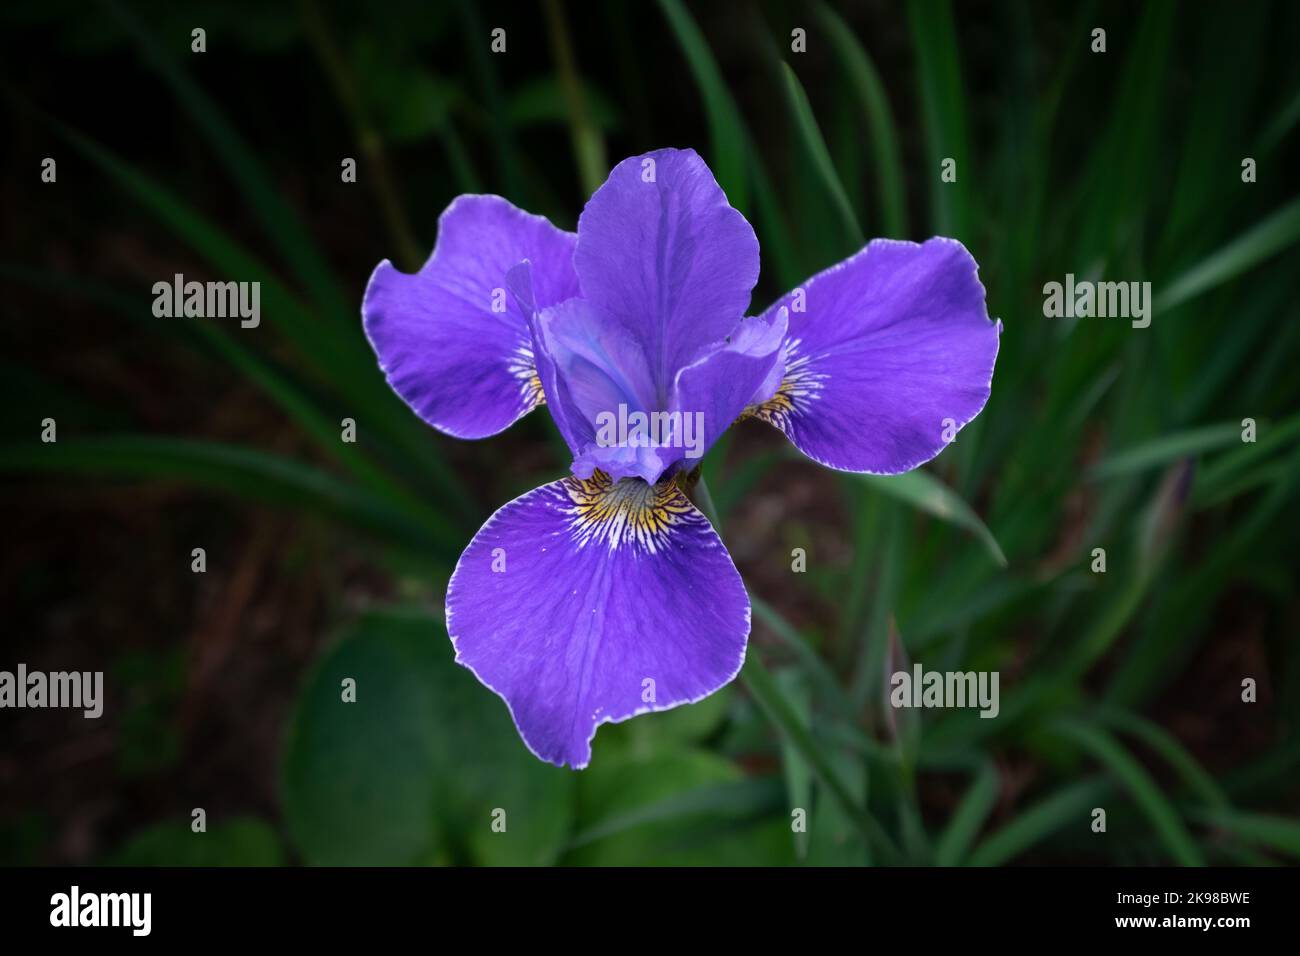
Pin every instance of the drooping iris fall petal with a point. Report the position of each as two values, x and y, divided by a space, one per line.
591 601
889 353
452 341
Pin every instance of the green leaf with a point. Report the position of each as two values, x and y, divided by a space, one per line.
679 808
1164 449
1174 753
807 655
1068 806
783 715
1281 834
943 110
263 198
1157 808
1277 232
923 491
245 472
820 158
726 132
865 84
417 767
966 820
242 841
733 152
1240 467
588 143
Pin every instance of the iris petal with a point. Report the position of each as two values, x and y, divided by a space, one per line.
889 353
591 601
662 255
453 343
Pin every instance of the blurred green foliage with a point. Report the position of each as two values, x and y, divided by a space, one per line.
1124 164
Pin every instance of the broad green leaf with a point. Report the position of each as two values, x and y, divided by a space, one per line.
679 808
242 841
419 767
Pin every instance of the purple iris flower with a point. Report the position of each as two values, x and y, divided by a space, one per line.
607 593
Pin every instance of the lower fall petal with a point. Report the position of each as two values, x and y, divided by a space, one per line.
590 601
889 354
451 340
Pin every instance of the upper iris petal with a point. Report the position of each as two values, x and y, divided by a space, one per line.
666 268
663 256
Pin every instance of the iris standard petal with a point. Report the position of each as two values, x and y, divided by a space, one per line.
599 372
662 254
711 394
889 353
453 343
591 601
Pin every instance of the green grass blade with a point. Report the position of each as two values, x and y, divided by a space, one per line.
969 816
1165 449
1281 125
1273 832
1067 807
1217 478
866 86
726 132
741 799
477 40
1173 752
267 202
273 381
923 491
1158 810
781 713
247 473
588 143
339 355
820 158
943 110
808 657
734 154
1266 239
